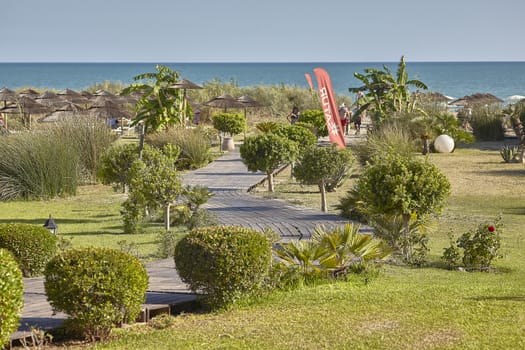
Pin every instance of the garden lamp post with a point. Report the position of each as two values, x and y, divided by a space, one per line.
51 225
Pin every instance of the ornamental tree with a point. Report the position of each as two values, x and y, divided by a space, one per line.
154 184
304 137
267 153
323 166
231 123
315 118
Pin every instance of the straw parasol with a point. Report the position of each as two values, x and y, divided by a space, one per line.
476 99
185 84
28 93
224 101
49 99
25 106
7 95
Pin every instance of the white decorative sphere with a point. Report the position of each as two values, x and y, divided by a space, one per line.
444 144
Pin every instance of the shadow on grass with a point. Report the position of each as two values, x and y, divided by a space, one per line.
498 298
506 172
41 221
92 233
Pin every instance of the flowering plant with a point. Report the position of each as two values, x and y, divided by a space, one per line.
479 247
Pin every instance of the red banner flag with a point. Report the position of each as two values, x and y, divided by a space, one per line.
331 116
309 80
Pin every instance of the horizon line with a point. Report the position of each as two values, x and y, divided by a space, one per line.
250 62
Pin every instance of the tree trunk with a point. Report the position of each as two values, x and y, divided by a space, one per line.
270 182
407 249
167 217
322 188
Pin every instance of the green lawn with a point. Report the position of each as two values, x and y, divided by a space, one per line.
91 218
404 308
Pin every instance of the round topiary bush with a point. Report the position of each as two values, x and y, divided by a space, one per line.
97 287
11 295
32 246
223 262
232 123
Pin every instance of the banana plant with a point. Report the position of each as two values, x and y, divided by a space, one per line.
161 105
384 93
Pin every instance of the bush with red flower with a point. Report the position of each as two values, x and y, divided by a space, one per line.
476 248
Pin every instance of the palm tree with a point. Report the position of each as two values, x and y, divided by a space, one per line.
345 247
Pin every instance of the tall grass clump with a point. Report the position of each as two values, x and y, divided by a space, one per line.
390 137
52 161
35 165
194 144
89 137
487 124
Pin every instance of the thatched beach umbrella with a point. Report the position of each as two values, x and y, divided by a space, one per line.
185 84
73 96
7 95
49 99
476 99
26 107
224 101
107 110
248 102
28 93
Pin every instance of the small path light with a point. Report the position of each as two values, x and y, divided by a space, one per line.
51 225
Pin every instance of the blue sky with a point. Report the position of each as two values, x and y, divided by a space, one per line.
261 30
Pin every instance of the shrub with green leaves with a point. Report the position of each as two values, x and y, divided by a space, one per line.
315 118
32 246
476 248
11 295
115 164
303 136
396 186
98 288
225 263
231 123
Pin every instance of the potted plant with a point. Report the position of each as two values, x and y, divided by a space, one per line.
231 124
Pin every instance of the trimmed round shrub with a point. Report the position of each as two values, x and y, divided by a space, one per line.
315 118
11 295
303 136
97 287
232 123
223 262
32 246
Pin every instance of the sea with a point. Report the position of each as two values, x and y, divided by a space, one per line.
505 80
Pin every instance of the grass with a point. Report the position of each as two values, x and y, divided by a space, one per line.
91 218
405 308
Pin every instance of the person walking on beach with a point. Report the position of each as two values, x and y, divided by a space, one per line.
343 116
294 115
